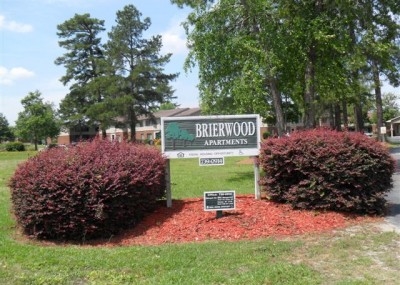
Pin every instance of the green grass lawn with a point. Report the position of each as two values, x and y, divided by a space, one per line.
362 256
188 179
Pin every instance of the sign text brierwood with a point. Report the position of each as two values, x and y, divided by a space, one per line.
185 137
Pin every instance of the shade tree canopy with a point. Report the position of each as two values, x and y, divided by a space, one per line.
38 120
321 56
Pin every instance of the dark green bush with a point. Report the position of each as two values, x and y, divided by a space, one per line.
15 146
327 170
266 135
88 191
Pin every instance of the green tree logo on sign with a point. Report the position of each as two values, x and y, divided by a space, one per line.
175 133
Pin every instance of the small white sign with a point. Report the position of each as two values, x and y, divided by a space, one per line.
383 130
211 161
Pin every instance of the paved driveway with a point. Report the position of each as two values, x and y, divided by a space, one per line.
393 197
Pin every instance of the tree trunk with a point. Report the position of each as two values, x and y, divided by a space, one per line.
338 121
80 131
132 124
36 144
309 77
359 120
378 97
345 115
271 82
331 117
277 101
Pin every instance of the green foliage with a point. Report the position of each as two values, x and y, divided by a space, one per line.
318 54
390 108
37 121
327 170
79 36
123 78
234 63
86 67
91 190
6 133
14 146
73 108
142 83
168 106
266 135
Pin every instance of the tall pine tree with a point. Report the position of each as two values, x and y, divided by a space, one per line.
141 84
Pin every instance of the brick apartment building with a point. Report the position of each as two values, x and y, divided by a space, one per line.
147 129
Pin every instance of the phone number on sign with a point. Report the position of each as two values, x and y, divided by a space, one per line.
212 161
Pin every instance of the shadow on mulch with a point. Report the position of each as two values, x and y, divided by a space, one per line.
160 215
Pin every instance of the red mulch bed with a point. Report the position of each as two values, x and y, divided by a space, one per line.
187 221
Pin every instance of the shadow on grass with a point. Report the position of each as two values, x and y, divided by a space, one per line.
241 176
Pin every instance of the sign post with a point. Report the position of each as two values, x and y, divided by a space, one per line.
168 183
257 192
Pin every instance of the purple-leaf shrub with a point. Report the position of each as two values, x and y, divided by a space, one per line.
327 170
88 191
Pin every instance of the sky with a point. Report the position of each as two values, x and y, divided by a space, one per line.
29 46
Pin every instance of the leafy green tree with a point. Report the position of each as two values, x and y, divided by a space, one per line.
250 53
321 54
141 84
378 40
38 120
5 131
237 63
390 107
